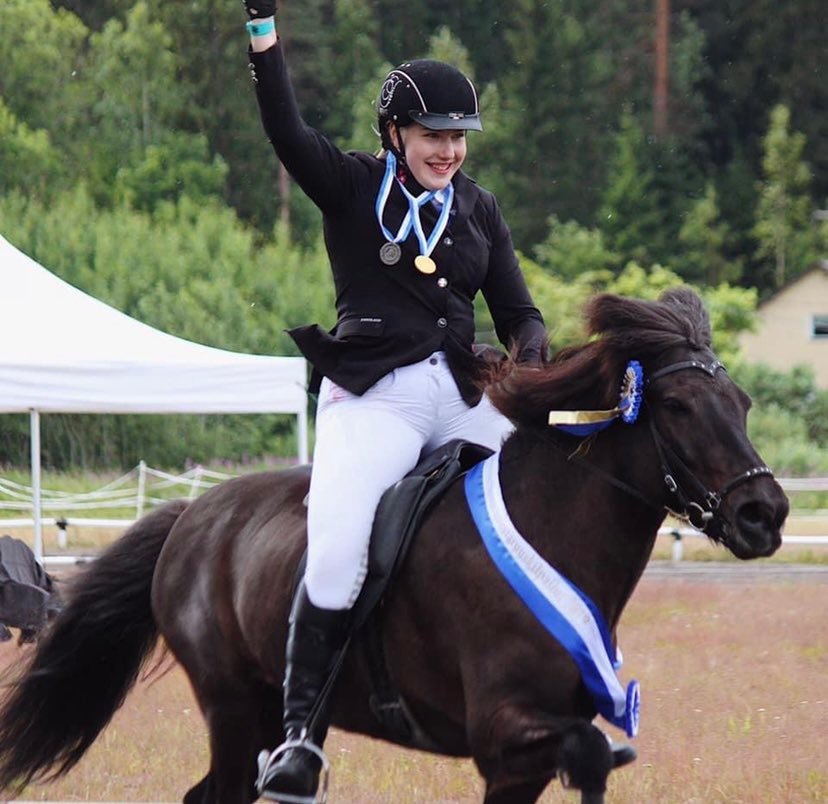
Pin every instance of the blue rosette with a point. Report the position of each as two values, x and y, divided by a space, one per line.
632 392
632 713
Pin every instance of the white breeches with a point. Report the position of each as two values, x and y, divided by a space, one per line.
366 443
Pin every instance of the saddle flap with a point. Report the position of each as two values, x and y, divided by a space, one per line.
401 510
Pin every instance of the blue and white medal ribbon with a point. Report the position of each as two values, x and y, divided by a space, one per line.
412 217
564 610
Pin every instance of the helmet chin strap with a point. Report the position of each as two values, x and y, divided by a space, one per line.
399 152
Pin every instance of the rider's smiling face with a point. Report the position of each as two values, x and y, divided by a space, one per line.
433 157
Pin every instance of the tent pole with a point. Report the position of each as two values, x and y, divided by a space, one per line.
34 417
302 435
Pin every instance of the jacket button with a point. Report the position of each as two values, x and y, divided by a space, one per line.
442 323
447 241
442 282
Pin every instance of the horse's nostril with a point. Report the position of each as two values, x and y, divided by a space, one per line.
754 514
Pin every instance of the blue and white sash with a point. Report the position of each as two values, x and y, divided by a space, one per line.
564 610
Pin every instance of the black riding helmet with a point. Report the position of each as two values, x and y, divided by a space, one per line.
432 93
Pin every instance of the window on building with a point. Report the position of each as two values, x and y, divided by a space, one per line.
820 326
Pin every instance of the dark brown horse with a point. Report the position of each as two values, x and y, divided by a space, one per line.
478 672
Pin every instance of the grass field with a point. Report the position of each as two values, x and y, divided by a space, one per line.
735 700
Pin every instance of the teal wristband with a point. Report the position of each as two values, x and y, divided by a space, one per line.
261 27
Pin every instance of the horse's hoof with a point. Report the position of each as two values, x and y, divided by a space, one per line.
622 754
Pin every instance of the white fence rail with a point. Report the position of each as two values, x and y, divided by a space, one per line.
144 487
130 495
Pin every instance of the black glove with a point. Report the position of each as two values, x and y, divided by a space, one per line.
259 9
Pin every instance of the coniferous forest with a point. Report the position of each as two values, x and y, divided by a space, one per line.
632 146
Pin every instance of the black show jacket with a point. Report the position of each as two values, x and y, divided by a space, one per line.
391 316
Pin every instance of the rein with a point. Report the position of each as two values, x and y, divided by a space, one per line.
698 514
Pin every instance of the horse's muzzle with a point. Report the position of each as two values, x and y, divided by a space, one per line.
756 529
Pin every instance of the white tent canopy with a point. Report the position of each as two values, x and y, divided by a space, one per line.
66 352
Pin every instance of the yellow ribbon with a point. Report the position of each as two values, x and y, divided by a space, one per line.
582 416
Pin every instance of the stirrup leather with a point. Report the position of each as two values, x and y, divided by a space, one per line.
266 761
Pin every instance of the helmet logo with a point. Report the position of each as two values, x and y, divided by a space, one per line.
387 92
455 115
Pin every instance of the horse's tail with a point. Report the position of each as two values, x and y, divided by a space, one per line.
87 660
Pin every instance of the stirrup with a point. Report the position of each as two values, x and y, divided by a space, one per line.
267 760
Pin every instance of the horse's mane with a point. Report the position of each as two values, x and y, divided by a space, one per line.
589 376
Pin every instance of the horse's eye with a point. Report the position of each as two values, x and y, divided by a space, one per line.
674 405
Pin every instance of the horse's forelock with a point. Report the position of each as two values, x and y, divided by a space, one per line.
678 317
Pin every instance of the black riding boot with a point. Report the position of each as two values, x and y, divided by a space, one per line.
314 637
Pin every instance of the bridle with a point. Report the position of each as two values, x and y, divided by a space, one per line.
700 506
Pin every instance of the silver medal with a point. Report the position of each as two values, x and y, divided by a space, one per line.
390 253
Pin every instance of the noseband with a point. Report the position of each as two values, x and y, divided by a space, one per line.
700 506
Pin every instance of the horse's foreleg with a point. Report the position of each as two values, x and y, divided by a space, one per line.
514 792
520 752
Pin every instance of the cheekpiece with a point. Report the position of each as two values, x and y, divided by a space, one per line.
586 422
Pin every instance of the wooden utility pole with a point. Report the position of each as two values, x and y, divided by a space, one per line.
662 59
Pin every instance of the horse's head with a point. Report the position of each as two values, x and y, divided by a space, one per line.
712 474
697 416
700 463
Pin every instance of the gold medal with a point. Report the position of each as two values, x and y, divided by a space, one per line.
425 265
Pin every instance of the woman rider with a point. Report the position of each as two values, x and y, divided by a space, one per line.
411 240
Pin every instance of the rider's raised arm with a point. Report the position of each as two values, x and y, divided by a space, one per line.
325 174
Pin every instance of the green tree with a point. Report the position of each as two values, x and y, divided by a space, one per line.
354 37
759 53
688 74
132 73
784 229
28 162
555 115
704 237
41 53
180 164
788 421
630 216
732 312
643 283
364 135
406 27
215 97
571 250
561 301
